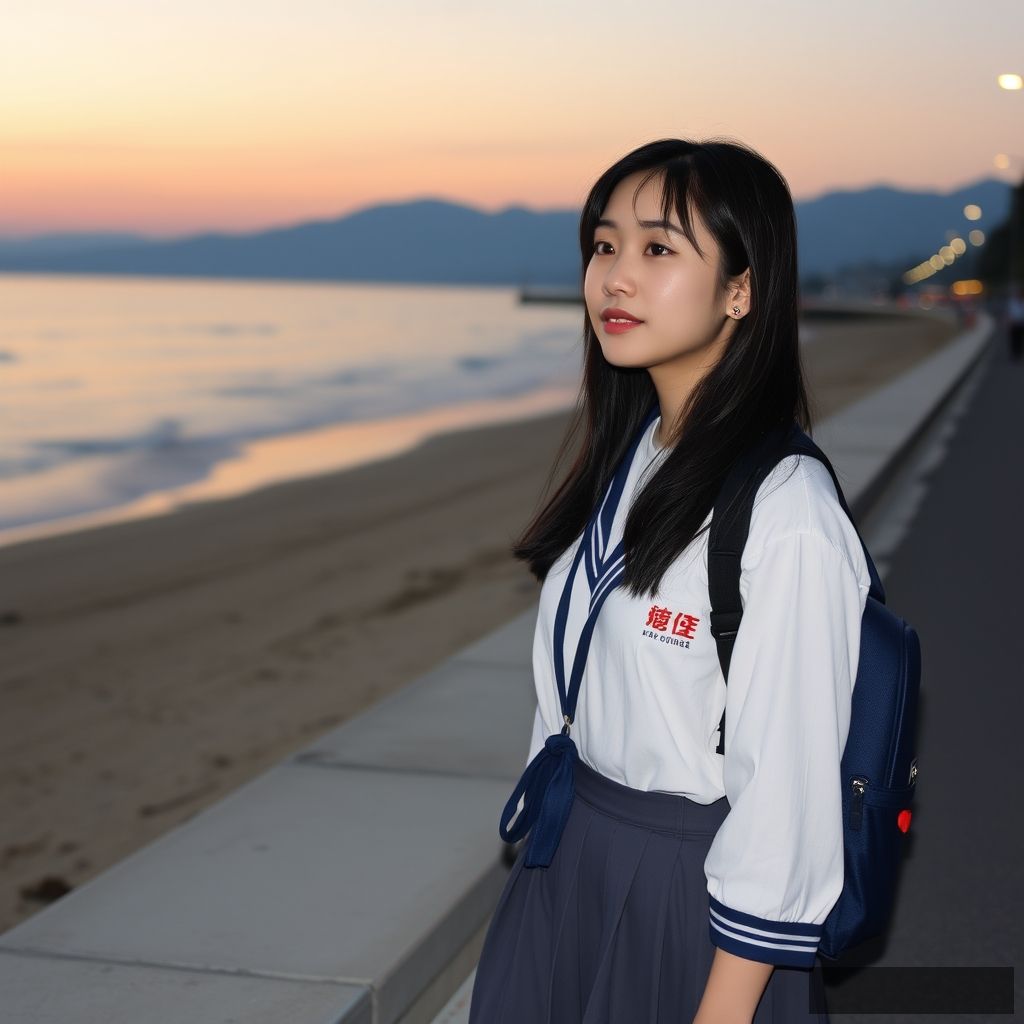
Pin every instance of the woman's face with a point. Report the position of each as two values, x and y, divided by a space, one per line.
656 276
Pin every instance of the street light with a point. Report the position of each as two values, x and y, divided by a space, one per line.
1011 82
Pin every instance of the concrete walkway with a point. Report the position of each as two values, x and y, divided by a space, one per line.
354 880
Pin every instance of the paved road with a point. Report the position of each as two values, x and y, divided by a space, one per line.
956 576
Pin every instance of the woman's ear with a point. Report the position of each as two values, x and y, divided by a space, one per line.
738 296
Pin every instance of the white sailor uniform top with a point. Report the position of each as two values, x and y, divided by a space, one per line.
653 692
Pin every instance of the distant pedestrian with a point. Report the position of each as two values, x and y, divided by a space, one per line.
1015 321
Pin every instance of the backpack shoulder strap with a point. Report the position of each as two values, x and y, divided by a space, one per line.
801 444
730 524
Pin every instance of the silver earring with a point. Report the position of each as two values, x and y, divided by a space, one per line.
736 310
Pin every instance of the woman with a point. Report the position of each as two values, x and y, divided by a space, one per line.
685 837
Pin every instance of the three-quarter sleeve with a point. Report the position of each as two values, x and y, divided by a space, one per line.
775 867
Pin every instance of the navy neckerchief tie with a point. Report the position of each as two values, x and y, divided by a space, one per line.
547 782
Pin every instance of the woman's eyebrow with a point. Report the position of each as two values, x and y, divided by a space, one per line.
667 225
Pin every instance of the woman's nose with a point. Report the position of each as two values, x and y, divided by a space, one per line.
620 276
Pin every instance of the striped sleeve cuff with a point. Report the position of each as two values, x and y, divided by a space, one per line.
771 942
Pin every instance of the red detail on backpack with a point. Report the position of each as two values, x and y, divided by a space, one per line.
903 820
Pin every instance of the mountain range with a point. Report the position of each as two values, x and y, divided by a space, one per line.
436 241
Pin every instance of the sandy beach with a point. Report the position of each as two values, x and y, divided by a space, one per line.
149 667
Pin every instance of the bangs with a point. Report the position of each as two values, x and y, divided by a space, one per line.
680 194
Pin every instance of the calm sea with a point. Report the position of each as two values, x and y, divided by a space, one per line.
115 392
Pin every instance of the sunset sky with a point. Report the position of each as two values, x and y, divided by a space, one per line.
170 118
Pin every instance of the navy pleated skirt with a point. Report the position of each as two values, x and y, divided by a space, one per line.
615 930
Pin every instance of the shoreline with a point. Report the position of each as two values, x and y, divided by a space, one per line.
152 666
281 458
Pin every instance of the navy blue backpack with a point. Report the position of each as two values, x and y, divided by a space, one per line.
879 762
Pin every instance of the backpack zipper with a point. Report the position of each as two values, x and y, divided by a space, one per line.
858 786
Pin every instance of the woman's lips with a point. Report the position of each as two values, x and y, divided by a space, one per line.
613 327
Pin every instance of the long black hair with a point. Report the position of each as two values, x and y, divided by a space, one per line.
756 386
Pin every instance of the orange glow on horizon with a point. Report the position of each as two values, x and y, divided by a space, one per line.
194 118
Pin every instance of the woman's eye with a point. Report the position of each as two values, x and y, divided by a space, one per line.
653 245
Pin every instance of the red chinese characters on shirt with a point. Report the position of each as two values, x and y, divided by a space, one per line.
683 624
